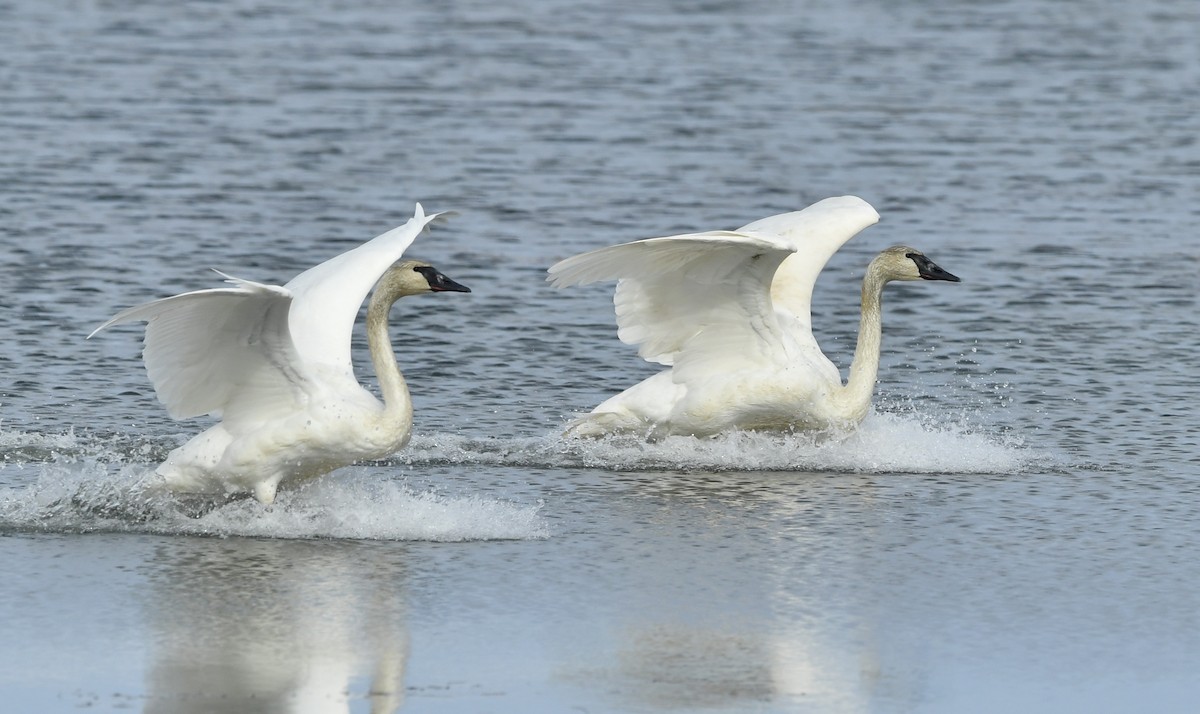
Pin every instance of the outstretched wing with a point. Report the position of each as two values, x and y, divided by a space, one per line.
326 298
816 233
255 350
208 349
706 301
675 288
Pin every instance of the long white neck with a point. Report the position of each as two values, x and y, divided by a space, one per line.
396 401
854 399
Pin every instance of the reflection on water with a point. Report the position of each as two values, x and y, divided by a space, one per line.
687 628
671 666
676 667
808 629
1015 532
284 626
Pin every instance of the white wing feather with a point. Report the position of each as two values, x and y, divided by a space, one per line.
705 301
816 233
244 351
204 348
673 288
327 296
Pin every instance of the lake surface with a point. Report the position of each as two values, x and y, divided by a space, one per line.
1013 529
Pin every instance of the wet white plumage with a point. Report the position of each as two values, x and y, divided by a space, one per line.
729 313
274 364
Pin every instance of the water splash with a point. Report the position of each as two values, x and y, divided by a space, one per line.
90 495
885 443
94 483
902 442
20 447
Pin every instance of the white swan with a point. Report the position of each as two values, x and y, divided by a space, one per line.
729 313
274 363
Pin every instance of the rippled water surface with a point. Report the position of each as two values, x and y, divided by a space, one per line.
1013 529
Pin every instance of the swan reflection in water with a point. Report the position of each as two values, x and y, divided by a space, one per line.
274 625
791 636
689 667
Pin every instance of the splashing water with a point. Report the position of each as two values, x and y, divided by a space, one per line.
87 484
885 443
19 447
89 495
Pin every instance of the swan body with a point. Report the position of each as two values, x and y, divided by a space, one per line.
273 362
729 314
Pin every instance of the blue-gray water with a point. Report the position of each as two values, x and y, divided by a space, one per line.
1015 529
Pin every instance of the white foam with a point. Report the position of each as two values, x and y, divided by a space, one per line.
884 443
340 507
89 495
99 484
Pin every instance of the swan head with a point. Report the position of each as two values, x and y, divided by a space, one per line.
900 262
413 277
